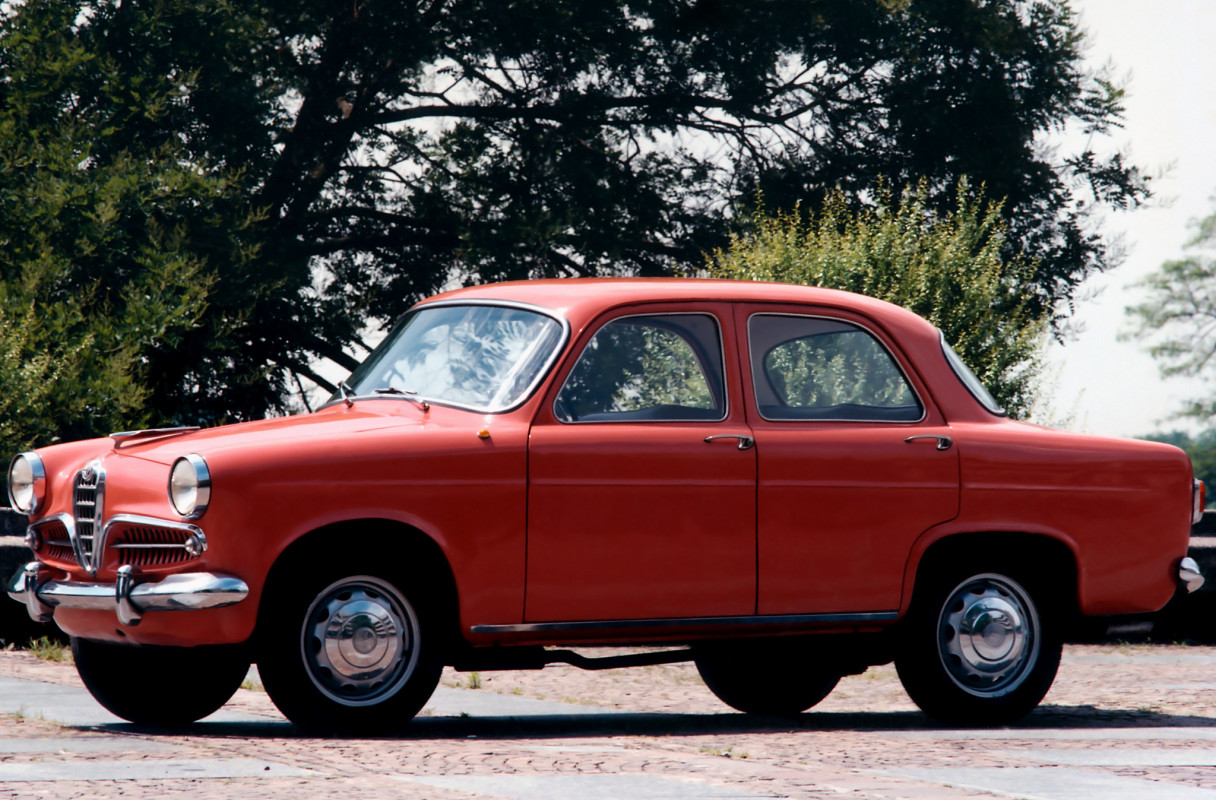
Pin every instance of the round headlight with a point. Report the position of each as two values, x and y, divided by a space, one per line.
26 483
190 486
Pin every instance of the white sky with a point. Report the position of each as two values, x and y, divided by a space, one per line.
1103 385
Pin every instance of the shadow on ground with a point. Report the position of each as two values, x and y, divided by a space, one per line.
582 726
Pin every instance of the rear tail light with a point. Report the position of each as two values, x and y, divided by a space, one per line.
1198 501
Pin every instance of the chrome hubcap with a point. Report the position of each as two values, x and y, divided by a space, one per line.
360 641
988 635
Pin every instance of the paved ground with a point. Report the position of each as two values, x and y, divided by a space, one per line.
1122 722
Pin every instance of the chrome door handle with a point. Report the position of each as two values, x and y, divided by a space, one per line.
943 442
745 442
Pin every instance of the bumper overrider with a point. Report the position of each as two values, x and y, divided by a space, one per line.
127 597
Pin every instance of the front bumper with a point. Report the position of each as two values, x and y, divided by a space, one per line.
126 597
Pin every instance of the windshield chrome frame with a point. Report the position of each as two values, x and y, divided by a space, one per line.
541 373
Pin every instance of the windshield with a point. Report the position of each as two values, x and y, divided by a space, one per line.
969 379
482 357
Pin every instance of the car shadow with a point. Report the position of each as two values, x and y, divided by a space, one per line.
590 725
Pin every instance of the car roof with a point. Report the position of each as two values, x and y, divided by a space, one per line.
579 297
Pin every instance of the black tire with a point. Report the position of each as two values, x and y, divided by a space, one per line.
349 652
162 687
976 648
742 677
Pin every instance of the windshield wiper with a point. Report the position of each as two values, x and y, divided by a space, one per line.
348 394
405 394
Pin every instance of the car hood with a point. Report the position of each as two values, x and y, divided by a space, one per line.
335 423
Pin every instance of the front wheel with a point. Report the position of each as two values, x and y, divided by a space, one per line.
348 654
976 648
163 687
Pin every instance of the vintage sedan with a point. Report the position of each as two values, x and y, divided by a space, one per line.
741 474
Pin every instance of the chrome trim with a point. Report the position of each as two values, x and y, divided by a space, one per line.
924 407
348 394
526 395
39 484
195 537
124 584
1189 574
998 411
721 353
859 618
943 442
153 432
63 519
23 587
988 635
95 472
745 442
202 474
189 591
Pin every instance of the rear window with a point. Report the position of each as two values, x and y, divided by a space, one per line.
970 380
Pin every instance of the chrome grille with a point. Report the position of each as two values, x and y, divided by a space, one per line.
148 545
56 544
88 491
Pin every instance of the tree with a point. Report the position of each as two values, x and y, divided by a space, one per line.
97 282
949 268
381 151
1178 314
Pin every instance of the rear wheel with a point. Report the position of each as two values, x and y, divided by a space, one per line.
159 686
348 653
742 677
977 648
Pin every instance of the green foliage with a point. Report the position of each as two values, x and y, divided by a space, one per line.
107 239
1178 315
48 649
949 268
320 166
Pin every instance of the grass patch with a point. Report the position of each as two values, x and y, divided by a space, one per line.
48 649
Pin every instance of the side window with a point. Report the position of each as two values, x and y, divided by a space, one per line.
661 367
823 369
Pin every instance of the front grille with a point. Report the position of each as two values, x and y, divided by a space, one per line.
87 494
56 543
146 545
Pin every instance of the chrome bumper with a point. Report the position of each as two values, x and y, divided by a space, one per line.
125 597
1189 574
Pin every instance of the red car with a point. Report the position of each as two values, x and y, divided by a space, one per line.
748 473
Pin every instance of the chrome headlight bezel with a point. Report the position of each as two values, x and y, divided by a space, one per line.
32 492
190 486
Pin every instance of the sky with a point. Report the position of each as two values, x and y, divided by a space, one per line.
1097 383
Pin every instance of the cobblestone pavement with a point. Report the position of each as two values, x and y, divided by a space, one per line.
1121 722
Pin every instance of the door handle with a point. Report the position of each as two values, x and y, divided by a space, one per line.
745 442
943 442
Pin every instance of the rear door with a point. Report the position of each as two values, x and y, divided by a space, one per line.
854 461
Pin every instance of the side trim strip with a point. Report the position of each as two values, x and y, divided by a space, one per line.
689 622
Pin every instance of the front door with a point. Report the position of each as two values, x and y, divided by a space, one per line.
642 477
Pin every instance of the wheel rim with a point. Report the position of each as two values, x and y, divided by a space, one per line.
360 641
988 635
